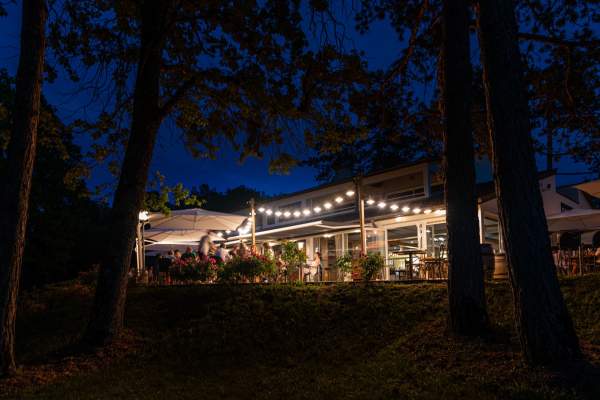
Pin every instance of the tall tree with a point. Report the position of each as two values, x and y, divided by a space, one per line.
109 303
543 322
468 312
16 186
240 71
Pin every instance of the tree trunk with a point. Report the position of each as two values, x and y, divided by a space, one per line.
543 322
468 313
14 199
109 304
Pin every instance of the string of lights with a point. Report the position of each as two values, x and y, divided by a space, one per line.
327 205
339 200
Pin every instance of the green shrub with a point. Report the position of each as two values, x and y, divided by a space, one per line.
292 256
370 265
247 268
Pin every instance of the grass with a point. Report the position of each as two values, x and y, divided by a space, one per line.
294 342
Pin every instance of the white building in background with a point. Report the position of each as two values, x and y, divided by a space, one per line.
404 214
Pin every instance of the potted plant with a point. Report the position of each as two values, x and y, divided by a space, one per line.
293 257
370 265
344 265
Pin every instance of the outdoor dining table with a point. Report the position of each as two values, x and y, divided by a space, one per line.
411 254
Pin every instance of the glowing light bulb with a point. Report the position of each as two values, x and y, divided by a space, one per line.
381 204
261 209
287 214
416 210
339 199
278 213
297 213
405 209
269 211
370 202
350 193
317 209
306 211
427 211
327 205
394 207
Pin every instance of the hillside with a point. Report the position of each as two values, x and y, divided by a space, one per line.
293 342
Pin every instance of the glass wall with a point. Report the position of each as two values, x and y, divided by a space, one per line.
375 242
491 230
402 242
437 240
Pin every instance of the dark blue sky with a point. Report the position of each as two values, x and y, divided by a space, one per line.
173 161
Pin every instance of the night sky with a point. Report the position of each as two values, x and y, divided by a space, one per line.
170 157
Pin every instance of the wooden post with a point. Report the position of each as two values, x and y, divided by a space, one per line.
253 220
361 217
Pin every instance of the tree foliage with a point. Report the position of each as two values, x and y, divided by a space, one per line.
400 108
65 224
230 200
234 73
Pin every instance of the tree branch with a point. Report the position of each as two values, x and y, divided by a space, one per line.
179 93
400 66
556 41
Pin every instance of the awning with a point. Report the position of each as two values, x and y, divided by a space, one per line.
196 219
186 227
173 237
591 187
296 231
578 220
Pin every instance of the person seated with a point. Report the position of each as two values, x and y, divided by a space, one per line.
222 253
189 254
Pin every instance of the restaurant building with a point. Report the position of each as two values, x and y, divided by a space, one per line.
404 217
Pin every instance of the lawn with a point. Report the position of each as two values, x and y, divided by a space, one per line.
288 342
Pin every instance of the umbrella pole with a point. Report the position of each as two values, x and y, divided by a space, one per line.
253 219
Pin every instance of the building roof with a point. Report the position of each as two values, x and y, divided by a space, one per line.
351 180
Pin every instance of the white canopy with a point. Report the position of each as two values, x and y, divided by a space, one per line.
581 220
591 187
189 226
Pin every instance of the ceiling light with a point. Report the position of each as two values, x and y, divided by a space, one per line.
339 199
278 213
269 211
262 209
416 210
381 204
370 201
394 207
327 205
427 211
306 211
287 214
350 193
405 209
317 209
297 213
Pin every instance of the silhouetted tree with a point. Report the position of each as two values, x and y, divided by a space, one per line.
466 297
16 184
543 322
240 71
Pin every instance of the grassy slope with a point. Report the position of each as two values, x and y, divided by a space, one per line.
275 342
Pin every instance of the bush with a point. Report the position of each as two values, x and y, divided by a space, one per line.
370 265
292 256
203 270
247 268
344 263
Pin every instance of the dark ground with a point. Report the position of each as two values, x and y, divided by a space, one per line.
290 342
